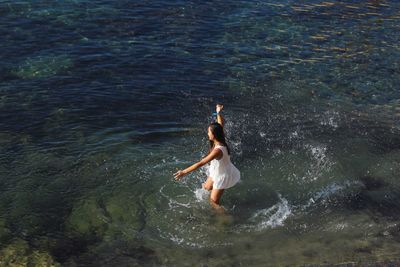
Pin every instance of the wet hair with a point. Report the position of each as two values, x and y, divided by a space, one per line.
218 132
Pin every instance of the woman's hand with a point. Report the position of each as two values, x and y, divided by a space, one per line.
179 174
219 108
220 120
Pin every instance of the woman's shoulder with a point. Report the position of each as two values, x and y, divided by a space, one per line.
222 148
219 147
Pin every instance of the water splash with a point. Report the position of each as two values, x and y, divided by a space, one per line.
269 218
201 194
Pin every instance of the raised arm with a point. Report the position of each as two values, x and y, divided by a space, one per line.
216 153
220 120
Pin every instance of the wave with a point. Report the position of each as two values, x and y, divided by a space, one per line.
271 217
331 190
172 203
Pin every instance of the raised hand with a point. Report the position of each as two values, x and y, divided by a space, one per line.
219 107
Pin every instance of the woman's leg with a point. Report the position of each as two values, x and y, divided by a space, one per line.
208 185
215 197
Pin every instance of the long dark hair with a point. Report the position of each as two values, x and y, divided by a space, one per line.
218 132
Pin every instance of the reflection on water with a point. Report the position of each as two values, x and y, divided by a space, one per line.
101 102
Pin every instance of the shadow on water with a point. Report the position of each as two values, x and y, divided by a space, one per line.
377 197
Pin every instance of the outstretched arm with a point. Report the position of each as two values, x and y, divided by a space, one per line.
216 153
220 120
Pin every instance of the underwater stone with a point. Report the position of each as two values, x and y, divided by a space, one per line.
125 215
372 183
386 166
115 216
22 217
87 219
117 253
19 253
378 196
5 233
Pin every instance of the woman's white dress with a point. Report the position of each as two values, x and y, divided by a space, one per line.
223 173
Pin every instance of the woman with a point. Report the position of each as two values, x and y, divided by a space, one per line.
222 173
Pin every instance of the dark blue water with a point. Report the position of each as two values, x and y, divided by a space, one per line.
101 102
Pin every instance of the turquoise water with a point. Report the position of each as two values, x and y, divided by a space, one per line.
102 101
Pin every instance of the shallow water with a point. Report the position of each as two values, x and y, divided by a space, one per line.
102 101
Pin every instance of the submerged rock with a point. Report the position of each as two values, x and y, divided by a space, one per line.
87 220
19 253
23 217
125 215
377 196
116 253
372 183
106 219
106 229
30 200
5 233
386 167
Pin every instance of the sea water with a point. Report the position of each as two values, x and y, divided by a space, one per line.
102 101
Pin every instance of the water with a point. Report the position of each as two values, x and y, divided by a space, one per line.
102 101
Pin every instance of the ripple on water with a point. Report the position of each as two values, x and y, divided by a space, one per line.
43 66
182 215
268 218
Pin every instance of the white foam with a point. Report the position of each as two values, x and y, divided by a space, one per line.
323 194
320 163
319 154
173 203
326 192
201 194
271 217
182 240
330 118
294 135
